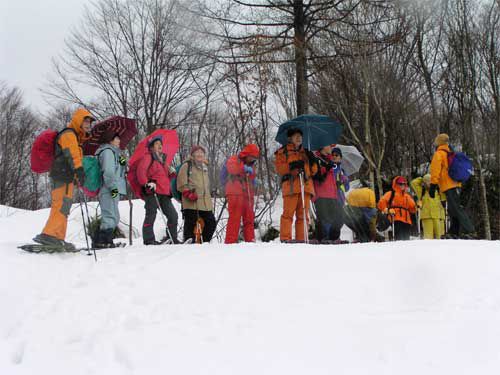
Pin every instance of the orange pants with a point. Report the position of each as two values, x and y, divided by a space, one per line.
292 205
62 198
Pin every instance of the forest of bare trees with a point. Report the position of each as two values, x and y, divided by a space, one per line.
227 72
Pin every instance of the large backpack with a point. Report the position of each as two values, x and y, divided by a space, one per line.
176 193
460 166
43 151
93 174
132 176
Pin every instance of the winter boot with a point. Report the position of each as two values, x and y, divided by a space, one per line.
45 239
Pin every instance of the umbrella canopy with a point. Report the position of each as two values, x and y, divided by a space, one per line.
317 131
351 159
169 140
124 127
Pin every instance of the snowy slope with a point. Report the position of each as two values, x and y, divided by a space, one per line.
421 307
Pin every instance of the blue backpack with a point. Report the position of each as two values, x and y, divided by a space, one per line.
460 166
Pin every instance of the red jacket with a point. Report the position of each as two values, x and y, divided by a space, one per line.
150 169
325 184
238 183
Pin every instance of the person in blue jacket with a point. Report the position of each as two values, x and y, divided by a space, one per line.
113 165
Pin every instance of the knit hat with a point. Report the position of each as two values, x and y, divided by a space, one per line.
196 148
441 139
250 150
337 151
293 131
108 136
152 141
427 179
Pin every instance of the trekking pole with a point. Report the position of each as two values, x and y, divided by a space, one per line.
306 229
163 217
131 206
88 221
418 224
393 228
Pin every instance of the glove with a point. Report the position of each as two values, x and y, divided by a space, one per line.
150 187
80 176
190 195
114 193
432 190
322 170
389 211
296 165
171 171
122 160
248 169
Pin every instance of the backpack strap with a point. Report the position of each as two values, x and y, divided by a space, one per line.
58 149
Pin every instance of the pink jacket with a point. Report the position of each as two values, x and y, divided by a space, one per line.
325 185
152 170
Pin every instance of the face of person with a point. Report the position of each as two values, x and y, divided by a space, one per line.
327 150
157 147
199 156
296 139
250 160
116 141
86 124
336 158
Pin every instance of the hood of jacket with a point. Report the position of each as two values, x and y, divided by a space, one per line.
77 121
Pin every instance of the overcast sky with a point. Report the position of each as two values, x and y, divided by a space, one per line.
31 33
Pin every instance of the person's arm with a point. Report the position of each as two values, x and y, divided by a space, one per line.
70 149
436 165
416 186
281 164
235 167
383 202
412 207
108 166
143 168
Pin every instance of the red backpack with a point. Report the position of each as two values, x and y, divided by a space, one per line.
43 151
132 171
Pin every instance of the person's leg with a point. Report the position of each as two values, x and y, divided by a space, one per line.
302 221
210 224
428 228
62 199
462 224
402 231
190 218
235 209
171 213
150 207
337 219
321 205
248 220
289 207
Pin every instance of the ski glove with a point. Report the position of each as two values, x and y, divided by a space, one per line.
114 193
296 165
80 176
432 190
190 195
248 169
150 187
122 160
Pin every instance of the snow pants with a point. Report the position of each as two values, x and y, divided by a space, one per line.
151 206
331 218
402 231
460 221
240 209
432 228
110 216
293 206
62 199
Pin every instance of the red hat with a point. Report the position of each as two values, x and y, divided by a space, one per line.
250 150
401 180
196 148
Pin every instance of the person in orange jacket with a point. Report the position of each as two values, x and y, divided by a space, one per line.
66 168
461 225
292 162
240 193
400 206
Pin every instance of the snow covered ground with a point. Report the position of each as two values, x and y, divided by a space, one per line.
420 307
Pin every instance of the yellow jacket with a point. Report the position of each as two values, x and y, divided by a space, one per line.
431 208
362 197
439 170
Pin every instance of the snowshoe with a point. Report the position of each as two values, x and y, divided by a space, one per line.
45 239
39 248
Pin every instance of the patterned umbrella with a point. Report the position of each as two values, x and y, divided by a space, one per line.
125 127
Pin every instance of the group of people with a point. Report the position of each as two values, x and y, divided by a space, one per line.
306 177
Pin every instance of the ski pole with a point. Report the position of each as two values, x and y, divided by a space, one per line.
393 228
306 229
418 223
163 217
88 221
